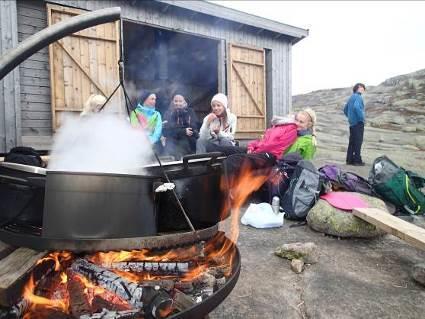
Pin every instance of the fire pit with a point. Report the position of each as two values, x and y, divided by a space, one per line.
180 283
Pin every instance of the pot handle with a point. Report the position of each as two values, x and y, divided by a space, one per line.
212 156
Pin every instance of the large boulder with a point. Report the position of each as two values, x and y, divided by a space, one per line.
332 221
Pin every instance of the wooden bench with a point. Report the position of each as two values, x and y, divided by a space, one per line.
16 265
410 233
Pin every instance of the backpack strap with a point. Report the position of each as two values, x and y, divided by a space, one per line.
407 183
416 179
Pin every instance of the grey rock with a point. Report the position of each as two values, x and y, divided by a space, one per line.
297 265
409 129
420 142
308 252
332 221
410 147
418 273
397 120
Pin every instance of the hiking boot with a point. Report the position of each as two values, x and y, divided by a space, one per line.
358 164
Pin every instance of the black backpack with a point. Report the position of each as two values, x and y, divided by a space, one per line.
280 177
24 155
303 192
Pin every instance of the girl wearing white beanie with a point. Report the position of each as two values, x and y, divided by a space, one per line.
218 127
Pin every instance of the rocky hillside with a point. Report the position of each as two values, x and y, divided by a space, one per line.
395 113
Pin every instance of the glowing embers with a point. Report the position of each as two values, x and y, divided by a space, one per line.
127 284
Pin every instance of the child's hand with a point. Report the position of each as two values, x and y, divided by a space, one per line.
215 128
211 117
189 131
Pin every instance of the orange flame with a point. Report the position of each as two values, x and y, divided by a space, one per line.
37 300
239 188
55 256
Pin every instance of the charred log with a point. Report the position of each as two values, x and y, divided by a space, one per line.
99 303
182 301
16 311
163 268
79 305
137 295
166 284
129 291
185 286
110 314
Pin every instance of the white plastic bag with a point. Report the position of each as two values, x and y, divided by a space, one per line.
262 216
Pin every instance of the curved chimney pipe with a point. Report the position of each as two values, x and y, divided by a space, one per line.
39 40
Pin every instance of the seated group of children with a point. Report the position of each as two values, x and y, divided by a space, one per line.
179 134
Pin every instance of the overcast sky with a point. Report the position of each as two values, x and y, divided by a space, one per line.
349 41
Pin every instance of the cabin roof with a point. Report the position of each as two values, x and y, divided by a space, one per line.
208 8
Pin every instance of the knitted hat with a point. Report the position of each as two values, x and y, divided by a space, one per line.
145 94
220 97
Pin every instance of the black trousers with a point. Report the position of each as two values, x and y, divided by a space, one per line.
355 143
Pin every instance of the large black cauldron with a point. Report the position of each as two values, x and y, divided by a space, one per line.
69 207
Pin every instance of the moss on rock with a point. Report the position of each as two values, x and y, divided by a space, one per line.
330 220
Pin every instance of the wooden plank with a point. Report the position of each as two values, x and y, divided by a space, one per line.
86 36
248 62
14 270
406 231
76 71
5 249
101 59
26 72
31 115
36 131
34 106
85 64
34 81
10 126
37 123
38 142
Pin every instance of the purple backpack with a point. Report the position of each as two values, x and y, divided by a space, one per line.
345 181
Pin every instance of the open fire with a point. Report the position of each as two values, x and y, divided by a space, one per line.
140 283
127 284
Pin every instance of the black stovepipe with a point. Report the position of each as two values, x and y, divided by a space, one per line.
57 31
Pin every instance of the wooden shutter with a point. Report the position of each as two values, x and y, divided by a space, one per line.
247 89
82 64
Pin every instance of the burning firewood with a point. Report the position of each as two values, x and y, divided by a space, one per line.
182 301
99 303
79 305
151 267
109 314
16 311
137 295
129 291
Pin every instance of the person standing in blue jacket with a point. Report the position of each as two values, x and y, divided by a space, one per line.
354 110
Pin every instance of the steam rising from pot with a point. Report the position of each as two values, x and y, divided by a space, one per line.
99 143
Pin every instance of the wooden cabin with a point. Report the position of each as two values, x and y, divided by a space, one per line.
195 48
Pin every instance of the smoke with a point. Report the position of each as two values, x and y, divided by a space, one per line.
99 143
